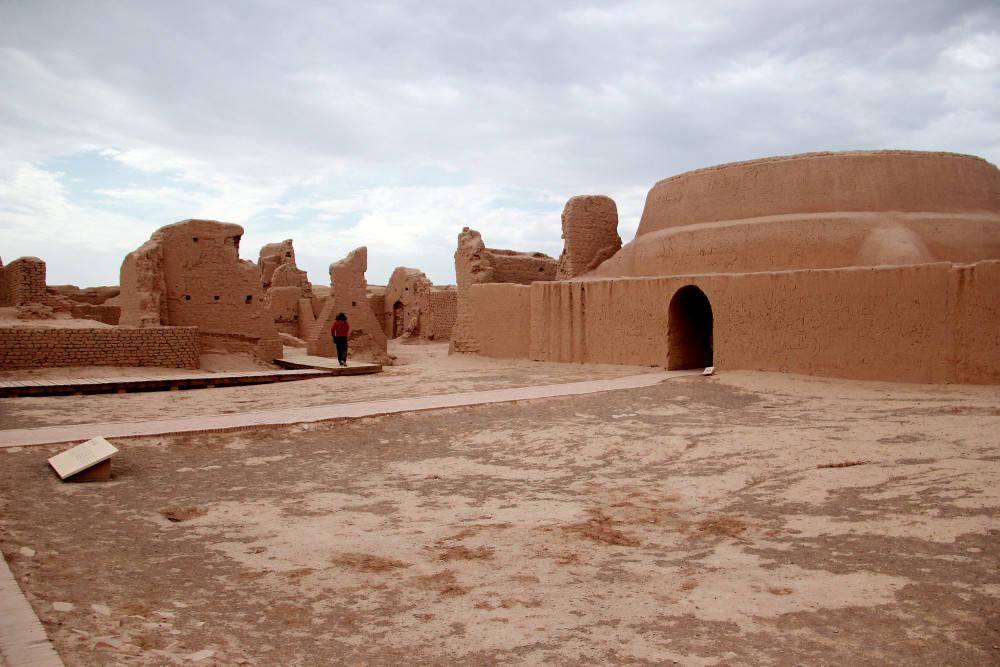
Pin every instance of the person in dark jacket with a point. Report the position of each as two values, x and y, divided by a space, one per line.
341 330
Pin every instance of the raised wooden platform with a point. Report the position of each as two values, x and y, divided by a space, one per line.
123 385
328 364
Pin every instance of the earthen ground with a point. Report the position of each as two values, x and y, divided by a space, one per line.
422 370
689 522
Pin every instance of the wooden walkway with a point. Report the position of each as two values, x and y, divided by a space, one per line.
98 385
22 638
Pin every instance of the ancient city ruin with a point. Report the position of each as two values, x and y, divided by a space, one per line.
718 430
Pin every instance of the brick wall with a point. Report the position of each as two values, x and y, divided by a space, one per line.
443 305
101 313
28 347
22 281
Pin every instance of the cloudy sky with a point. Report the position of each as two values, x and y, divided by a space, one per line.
395 124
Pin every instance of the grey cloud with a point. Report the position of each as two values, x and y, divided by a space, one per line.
557 97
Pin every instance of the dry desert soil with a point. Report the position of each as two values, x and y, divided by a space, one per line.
743 519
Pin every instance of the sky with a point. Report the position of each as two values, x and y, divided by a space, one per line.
395 124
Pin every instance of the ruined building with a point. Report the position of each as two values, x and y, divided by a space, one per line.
287 292
475 264
870 265
190 274
349 295
417 309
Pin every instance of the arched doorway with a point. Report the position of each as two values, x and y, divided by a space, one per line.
689 329
397 319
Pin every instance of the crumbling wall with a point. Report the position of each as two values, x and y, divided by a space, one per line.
101 313
348 295
169 347
284 285
95 296
408 303
273 255
590 234
190 274
22 282
475 264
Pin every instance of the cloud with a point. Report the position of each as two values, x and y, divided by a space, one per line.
394 126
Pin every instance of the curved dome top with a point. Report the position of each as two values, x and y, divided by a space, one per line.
908 181
816 211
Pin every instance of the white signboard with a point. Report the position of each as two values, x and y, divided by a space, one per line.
708 371
82 457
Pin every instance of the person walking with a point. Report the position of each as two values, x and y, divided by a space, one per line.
341 330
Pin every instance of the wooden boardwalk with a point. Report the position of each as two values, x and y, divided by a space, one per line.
98 385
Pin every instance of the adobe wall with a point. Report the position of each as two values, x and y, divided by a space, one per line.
931 323
190 274
170 347
444 306
101 313
22 282
814 211
475 264
503 319
590 234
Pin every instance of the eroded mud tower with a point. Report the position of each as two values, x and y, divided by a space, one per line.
590 234
190 274
348 295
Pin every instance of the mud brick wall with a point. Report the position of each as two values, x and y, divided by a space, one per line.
444 306
22 282
28 347
105 314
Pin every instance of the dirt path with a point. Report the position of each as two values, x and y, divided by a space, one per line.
687 522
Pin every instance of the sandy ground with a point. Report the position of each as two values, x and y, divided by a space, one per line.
423 370
689 522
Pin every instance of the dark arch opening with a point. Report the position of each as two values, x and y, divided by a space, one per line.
689 329
397 319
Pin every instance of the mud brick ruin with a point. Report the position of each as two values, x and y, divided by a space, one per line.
417 309
288 294
477 265
190 274
590 235
869 265
22 282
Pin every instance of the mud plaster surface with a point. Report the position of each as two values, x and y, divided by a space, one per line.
685 522
424 370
